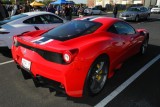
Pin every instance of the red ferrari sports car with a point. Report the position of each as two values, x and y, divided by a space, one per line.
79 56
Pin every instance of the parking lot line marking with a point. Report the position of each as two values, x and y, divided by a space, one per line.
119 89
3 63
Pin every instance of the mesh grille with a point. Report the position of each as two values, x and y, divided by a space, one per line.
50 56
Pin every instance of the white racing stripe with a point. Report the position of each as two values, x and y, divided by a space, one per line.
50 40
119 89
37 39
3 63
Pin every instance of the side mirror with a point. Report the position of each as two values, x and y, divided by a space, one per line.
142 33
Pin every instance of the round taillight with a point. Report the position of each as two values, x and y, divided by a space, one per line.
67 57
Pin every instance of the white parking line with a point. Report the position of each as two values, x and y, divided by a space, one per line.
119 89
3 63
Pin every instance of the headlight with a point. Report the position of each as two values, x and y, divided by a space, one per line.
120 14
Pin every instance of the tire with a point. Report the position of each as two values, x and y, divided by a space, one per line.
26 75
148 16
137 18
144 47
97 77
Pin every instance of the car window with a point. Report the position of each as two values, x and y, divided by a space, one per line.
145 9
12 18
133 9
124 28
142 9
35 20
52 19
112 29
72 29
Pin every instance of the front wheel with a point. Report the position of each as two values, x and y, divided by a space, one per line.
148 16
137 18
97 77
144 47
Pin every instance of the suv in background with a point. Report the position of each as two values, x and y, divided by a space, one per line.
155 9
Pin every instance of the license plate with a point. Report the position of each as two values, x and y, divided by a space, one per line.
124 18
26 64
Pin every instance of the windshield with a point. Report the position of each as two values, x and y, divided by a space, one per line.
133 9
12 18
72 29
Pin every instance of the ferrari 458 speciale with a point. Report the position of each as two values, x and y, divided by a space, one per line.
79 56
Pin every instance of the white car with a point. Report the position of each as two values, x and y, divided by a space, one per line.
92 11
25 22
155 9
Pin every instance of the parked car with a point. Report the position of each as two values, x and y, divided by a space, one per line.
91 11
25 22
78 57
155 9
135 13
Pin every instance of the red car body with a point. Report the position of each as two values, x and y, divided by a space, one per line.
82 51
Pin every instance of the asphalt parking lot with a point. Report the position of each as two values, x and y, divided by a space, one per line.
144 91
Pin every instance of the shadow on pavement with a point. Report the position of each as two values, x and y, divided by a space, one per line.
5 52
130 67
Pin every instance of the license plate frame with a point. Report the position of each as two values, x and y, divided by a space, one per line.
26 63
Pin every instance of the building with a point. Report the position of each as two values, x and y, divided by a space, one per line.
147 3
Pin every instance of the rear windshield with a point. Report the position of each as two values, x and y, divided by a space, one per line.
12 18
72 29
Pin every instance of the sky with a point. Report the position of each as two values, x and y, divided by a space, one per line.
79 1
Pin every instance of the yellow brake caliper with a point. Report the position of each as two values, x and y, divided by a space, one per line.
98 76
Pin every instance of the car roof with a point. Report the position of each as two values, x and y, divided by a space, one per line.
100 19
37 13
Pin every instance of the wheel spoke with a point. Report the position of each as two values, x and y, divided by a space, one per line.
98 77
100 68
94 84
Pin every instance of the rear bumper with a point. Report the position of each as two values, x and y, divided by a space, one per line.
41 81
71 76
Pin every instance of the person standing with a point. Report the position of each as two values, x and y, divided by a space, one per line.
27 7
51 9
15 10
81 11
68 12
115 10
3 11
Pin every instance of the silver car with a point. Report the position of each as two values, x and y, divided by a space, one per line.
135 13
91 11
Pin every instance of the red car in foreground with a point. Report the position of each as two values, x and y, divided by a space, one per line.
79 56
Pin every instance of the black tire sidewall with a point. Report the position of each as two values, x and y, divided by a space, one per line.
87 91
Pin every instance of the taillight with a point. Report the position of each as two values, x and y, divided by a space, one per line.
2 32
68 56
